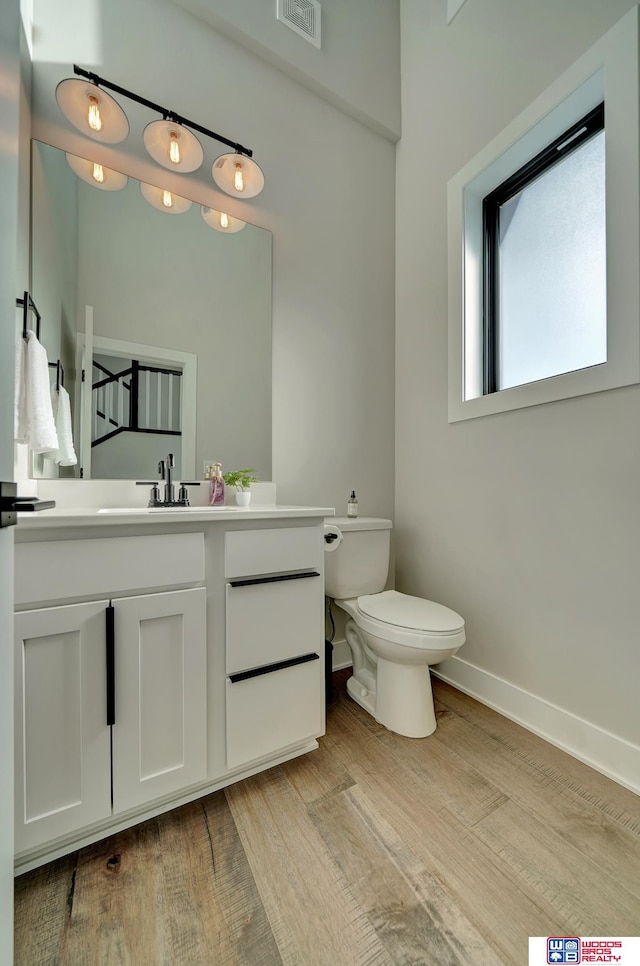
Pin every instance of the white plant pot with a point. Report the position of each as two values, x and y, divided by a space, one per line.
243 497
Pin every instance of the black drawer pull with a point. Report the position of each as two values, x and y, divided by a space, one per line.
268 668
111 666
272 580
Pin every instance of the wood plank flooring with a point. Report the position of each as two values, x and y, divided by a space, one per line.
373 850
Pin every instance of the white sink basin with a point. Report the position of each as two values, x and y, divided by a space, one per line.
174 509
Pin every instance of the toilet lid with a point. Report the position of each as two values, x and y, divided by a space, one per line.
415 613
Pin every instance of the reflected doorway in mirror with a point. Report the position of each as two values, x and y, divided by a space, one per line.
135 399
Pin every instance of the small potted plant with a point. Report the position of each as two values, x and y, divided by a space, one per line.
242 480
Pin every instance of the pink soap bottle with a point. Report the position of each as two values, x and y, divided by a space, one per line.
216 486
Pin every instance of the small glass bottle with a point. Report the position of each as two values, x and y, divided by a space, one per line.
352 505
216 485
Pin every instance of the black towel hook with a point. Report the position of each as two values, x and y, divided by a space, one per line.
59 373
27 303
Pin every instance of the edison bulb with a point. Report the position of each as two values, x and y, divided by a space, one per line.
224 220
238 178
98 173
175 155
94 118
167 200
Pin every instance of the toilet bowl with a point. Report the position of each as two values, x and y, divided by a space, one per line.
393 637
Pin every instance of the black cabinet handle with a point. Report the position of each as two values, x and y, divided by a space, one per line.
272 580
111 665
269 668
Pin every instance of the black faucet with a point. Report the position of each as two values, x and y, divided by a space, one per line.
165 469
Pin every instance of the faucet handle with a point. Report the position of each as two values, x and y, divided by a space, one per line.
183 493
154 495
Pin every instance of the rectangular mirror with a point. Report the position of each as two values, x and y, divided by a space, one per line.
179 356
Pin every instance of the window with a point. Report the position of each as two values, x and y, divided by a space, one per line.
544 243
545 307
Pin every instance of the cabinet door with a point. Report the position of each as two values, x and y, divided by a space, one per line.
62 757
160 729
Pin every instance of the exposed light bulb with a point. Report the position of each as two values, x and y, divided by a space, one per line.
94 119
238 178
167 200
98 173
175 155
224 220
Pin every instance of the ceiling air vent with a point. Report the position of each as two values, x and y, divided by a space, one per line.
303 16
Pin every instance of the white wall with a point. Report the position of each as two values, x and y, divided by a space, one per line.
54 250
527 522
14 122
134 456
329 201
54 247
356 68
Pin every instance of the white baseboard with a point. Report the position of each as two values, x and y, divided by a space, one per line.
612 756
341 655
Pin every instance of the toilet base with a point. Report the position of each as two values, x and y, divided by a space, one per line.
363 691
399 697
405 699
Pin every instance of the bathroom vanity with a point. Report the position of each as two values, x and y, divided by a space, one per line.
158 657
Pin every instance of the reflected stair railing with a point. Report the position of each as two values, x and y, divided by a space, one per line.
138 399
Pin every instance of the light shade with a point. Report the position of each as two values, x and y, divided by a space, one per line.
238 175
163 200
92 111
96 174
173 146
221 221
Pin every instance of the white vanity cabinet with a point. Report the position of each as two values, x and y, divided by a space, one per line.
274 641
111 705
154 668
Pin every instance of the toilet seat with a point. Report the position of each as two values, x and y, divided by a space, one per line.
412 613
403 614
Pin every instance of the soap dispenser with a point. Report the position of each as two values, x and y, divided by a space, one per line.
352 505
216 485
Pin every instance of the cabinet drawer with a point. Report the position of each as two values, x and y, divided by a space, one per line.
252 552
62 569
274 619
274 710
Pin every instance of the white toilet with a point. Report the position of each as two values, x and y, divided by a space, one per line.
393 637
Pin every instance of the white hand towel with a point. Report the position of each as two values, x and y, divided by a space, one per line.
20 423
65 454
41 429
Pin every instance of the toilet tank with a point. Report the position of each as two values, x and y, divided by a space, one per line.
360 563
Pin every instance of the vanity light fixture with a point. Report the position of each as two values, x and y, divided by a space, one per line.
97 174
92 111
95 113
221 221
165 201
173 146
238 175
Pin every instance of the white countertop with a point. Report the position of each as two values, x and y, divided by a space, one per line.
110 516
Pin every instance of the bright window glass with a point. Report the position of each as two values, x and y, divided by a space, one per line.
552 316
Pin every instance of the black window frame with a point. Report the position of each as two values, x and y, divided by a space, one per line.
574 137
